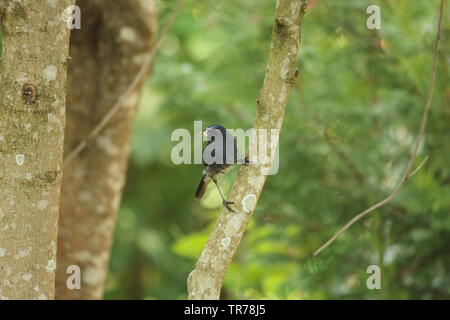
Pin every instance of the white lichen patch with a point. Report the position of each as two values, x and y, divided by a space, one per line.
29 176
42 296
7 270
294 50
92 276
249 202
22 78
79 173
52 118
50 73
53 247
82 256
132 100
51 265
127 34
27 276
94 259
2 138
105 226
203 283
114 169
234 224
20 159
101 209
105 143
42 204
115 184
57 104
2 252
272 97
255 181
52 2
225 242
284 69
85 196
140 59
283 94
148 6
27 126
294 29
22 253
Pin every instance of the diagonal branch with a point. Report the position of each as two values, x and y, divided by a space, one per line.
408 170
205 281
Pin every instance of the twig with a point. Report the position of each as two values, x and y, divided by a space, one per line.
407 173
134 84
418 167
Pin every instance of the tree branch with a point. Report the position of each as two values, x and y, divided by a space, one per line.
408 172
205 281
140 76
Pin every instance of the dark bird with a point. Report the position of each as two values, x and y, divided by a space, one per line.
219 157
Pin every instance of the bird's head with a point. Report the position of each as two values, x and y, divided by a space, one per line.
213 131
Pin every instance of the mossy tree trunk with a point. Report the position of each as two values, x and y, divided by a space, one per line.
115 39
35 43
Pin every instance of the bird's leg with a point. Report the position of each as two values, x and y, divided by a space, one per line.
245 161
226 203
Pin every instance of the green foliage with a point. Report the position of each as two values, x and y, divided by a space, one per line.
349 127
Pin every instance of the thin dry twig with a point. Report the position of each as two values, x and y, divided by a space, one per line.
407 173
419 167
134 84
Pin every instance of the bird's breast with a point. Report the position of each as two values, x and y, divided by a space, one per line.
216 170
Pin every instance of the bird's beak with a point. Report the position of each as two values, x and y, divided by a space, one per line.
203 133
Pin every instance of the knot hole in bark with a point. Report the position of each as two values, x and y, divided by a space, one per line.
29 93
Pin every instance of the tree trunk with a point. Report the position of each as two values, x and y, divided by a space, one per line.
205 281
32 113
107 53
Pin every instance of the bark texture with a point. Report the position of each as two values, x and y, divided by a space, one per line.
32 113
107 53
205 281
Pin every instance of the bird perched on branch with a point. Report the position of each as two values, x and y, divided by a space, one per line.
219 157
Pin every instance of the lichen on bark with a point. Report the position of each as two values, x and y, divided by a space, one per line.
33 66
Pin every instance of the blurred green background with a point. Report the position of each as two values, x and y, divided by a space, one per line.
350 124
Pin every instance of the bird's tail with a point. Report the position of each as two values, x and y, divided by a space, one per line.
201 188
